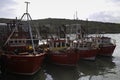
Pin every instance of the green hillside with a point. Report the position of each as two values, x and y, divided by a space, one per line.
91 26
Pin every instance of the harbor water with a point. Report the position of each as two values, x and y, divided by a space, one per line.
103 68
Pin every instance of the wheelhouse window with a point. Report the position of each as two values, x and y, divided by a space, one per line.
11 42
58 44
20 41
15 41
63 44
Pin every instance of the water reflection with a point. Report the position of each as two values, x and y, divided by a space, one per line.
38 76
85 70
55 72
96 70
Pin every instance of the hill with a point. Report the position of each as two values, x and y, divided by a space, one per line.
91 26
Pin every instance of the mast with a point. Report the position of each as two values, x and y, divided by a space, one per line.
76 16
29 26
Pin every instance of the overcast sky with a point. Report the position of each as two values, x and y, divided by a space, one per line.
93 10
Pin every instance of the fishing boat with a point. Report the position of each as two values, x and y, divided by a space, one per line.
86 50
21 49
106 45
60 51
61 54
84 45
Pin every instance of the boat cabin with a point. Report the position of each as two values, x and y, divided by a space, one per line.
57 44
17 42
103 40
83 44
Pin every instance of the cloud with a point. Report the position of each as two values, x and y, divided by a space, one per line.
106 16
110 13
115 0
7 8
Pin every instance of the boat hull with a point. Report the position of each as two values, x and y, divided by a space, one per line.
89 54
69 58
106 50
24 64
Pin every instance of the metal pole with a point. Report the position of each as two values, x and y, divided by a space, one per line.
30 30
27 6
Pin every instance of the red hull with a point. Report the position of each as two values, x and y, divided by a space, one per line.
106 51
24 64
88 54
68 58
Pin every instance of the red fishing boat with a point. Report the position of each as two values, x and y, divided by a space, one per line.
86 48
20 49
106 46
61 53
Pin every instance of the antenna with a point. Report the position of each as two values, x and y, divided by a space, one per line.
27 6
76 16
27 14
